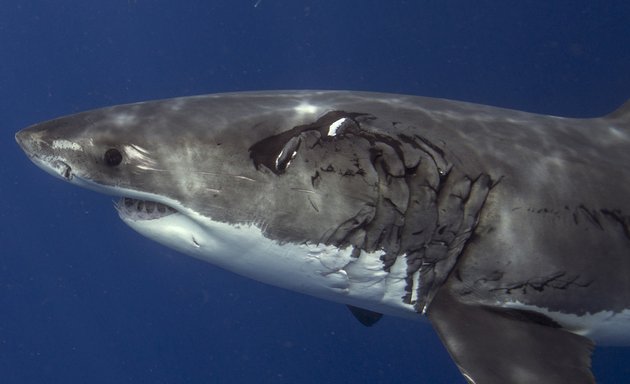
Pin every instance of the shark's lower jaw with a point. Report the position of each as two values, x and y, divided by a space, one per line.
137 209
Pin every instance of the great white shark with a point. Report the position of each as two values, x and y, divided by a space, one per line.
509 231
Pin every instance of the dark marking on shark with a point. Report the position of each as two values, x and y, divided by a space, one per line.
275 152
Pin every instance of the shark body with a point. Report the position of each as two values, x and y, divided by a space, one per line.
509 230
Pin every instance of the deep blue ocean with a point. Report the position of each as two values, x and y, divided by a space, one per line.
84 299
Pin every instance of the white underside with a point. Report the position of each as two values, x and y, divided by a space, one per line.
319 270
605 327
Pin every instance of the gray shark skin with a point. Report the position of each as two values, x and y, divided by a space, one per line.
509 230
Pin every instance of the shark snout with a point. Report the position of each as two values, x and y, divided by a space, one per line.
31 141
23 138
40 152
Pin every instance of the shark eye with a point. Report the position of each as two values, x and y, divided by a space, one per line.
113 157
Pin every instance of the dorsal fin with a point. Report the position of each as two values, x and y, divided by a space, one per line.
623 112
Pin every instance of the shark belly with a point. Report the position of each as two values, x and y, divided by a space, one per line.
319 270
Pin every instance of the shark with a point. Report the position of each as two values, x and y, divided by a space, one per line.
509 231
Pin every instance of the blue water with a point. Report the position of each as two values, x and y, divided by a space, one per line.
83 299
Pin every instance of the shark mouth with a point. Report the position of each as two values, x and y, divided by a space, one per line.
136 209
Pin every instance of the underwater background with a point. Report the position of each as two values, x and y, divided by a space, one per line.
84 299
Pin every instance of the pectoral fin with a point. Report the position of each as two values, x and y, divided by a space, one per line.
495 346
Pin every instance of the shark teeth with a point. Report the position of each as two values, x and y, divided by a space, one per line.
136 209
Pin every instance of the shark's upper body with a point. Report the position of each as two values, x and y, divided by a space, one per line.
510 230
